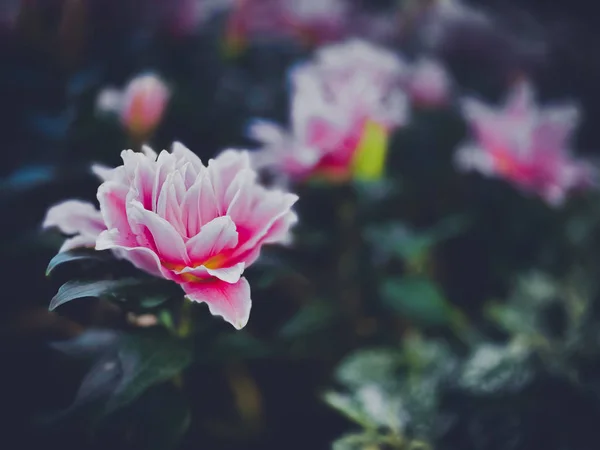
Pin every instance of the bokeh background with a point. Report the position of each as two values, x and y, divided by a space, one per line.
474 240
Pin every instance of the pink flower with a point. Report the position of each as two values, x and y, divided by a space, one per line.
526 145
184 17
347 89
140 106
198 226
429 83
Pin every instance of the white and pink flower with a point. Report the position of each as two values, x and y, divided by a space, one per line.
171 216
526 145
335 98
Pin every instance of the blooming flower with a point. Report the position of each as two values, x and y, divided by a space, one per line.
525 144
172 217
140 106
344 104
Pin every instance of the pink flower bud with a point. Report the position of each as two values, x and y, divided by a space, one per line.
429 84
140 106
144 103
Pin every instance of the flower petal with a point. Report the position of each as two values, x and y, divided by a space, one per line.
228 274
112 197
214 237
141 257
169 243
222 171
230 301
75 216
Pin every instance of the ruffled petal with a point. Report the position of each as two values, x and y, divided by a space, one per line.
230 301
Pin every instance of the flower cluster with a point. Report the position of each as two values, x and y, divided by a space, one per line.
344 105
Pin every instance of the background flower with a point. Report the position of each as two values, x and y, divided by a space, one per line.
526 144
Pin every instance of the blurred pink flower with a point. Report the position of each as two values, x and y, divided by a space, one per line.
312 21
429 84
185 17
334 98
199 226
140 106
526 145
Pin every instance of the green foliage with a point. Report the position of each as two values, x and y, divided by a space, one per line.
129 366
418 299
71 256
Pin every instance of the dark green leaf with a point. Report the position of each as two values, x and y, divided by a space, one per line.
147 359
72 290
310 319
418 299
74 255
349 407
90 343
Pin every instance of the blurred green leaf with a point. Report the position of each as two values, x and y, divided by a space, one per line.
363 441
73 290
402 241
376 365
495 369
312 318
349 407
91 343
147 359
418 299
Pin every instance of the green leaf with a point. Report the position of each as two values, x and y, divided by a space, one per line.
399 240
147 359
361 441
495 369
349 407
310 319
72 290
74 255
125 371
376 365
418 299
